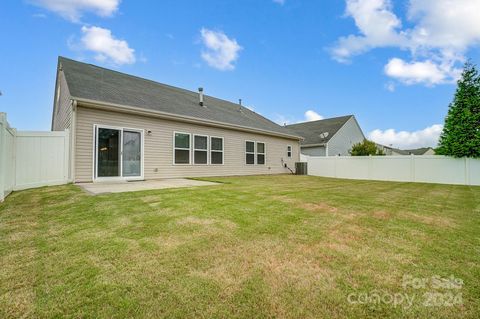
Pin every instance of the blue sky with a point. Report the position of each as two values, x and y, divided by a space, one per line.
392 64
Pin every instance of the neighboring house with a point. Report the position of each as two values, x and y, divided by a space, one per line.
128 128
422 151
391 151
328 137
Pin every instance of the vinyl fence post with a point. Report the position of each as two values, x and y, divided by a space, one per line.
467 170
3 128
412 168
335 159
370 167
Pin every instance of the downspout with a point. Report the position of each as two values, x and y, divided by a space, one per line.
326 149
73 140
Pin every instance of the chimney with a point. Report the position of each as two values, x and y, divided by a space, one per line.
200 95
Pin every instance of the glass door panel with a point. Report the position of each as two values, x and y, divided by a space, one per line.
132 153
108 159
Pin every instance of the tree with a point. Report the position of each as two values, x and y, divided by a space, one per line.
365 148
461 132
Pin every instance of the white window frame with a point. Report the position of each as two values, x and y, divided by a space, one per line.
95 177
217 151
202 150
182 148
254 152
289 151
264 153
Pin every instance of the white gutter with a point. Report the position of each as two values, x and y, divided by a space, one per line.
183 118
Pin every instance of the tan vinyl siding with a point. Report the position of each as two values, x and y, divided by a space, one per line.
62 116
159 147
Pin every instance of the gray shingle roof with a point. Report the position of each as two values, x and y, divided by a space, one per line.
87 81
418 151
311 130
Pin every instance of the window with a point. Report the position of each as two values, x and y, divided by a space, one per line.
200 149
216 150
260 153
182 148
289 151
250 152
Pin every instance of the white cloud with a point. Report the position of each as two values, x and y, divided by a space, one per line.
407 140
73 9
106 46
220 51
426 72
311 115
377 24
390 87
308 116
442 31
280 2
445 24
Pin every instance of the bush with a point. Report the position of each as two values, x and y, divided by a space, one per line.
365 148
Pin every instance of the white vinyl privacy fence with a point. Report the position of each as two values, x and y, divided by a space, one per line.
7 159
31 159
425 169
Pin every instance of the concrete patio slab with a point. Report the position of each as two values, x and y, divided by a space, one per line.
121 187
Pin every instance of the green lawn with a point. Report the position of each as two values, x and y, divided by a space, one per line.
252 247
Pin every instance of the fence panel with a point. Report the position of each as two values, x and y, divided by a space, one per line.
473 167
397 169
427 169
31 159
41 159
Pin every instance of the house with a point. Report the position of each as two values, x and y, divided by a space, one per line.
328 137
422 151
129 128
391 151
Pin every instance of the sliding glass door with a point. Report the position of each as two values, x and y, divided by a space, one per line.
118 153
108 161
132 153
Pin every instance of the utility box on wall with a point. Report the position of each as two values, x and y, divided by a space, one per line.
301 168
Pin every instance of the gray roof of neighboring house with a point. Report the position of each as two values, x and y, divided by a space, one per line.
416 151
419 151
90 82
311 130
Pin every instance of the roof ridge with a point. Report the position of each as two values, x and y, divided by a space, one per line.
228 107
152 81
326 119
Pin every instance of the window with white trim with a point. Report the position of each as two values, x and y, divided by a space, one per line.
260 153
216 150
249 152
181 148
200 149
289 151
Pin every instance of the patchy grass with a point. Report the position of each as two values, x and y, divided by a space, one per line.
252 247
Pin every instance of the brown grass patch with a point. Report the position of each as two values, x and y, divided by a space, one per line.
313 207
285 199
381 214
300 266
432 220
192 220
